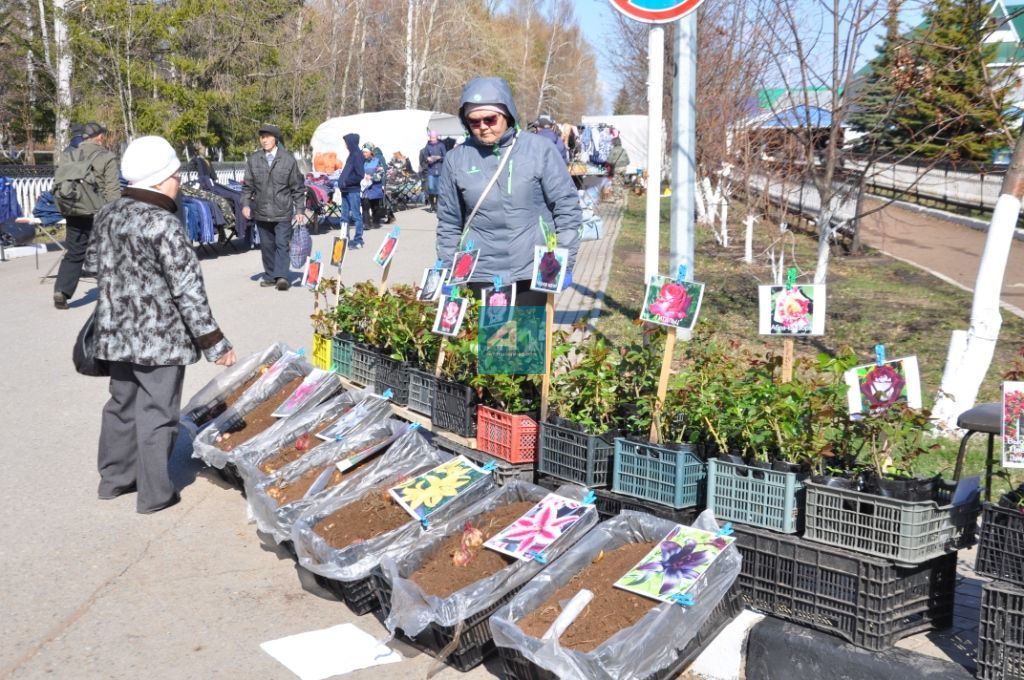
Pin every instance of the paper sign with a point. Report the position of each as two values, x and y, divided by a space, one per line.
321 654
675 564
1013 424
876 387
311 273
338 250
542 525
672 303
450 311
431 491
796 310
431 284
386 250
549 268
498 305
463 266
304 392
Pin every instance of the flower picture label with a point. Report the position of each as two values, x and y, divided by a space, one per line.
386 250
549 269
311 273
796 310
450 311
430 284
875 387
1013 424
672 303
675 565
498 304
463 266
338 250
305 392
427 493
542 525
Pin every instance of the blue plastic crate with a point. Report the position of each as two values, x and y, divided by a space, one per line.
756 496
656 473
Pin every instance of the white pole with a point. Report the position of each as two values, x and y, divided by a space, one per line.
655 80
684 145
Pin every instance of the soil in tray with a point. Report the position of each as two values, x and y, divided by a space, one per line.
289 492
439 576
611 610
233 396
374 514
258 419
288 454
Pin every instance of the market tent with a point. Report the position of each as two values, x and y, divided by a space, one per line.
402 130
632 131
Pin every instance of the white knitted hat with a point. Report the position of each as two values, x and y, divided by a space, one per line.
148 161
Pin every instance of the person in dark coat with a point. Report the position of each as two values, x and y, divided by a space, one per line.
152 319
273 196
349 184
373 195
546 129
431 162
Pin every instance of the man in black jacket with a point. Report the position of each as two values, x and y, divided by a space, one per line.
274 195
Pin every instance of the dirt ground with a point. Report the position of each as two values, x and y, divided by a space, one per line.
940 246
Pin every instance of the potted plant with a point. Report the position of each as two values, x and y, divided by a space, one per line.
324 323
455 401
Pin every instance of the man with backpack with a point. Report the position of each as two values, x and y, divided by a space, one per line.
85 181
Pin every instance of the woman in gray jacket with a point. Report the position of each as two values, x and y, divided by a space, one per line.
533 184
152 319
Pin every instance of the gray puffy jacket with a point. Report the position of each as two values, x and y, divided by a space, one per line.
274 193
534 183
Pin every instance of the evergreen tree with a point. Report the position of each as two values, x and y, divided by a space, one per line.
883 87
621 105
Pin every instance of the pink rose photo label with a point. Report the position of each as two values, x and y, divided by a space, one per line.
450 312
498 305
1013 424
791 310
672 303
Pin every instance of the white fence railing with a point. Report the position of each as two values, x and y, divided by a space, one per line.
951 187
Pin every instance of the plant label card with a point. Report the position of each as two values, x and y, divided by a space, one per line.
338 250
1013 424
386 250
311 273
672 303
463 266
876 387
799 310
549 268
349 421
427 493
359 456
542 525
431 284
675 564
498 305
307 390
450 312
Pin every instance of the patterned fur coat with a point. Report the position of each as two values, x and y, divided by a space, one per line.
152 308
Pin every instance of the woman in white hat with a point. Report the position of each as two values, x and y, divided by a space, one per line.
152 319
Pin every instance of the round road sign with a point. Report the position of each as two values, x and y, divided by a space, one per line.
656 11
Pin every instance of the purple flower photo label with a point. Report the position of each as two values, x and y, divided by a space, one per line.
675 564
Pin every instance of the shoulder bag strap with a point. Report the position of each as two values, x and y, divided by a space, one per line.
487 190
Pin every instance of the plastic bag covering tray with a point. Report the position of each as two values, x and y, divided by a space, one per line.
672 477
574 456
649 646
208 402
456 627
867 601
756 496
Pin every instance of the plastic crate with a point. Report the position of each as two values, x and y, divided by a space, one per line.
364 365
610 504
229 473
321 351
574 456
905 532
392 374
454 408
867 601
503 472
1001 544
515 666
421 391
759 497
360 596
341 355
475 642
508 436
1001 632
675 478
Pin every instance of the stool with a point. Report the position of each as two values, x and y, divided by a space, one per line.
987 419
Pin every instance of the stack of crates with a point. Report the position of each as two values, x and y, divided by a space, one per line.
1001 557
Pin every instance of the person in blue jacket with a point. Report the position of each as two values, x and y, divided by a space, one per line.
373 195
348 183
533 184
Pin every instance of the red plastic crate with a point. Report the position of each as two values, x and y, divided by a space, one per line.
506 436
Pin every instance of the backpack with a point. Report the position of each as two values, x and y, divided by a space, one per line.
76 189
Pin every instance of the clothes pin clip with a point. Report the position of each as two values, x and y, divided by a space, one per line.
790 278
490 466
681 274
879 355
590 498
437 265
388 394
414 426
424 523
537 557
394 232
316 256
497 282
338 437
300 352
683 600
726 530
469 244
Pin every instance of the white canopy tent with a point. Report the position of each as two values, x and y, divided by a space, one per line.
632 132
402 130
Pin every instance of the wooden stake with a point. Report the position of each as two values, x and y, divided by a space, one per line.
440 358
384 278
787 360
666 372
549 327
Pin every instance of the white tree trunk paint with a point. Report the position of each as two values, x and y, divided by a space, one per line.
64 67
748 241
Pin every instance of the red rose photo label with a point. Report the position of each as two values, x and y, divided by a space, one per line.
876 387
672 303
549 267
386 250
463 266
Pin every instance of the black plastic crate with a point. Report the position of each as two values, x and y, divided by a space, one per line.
392 374
454 408
503 472
867 601
575 456
1001 544
475 642
1001 632
364 365
229 473
421 391
360 596
515 666
610 504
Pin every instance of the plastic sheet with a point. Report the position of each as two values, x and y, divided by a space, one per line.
648 646
357 561
412 610
208 402
276 520
204 447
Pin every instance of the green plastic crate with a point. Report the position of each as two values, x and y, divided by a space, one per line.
672 477
750 495
341 356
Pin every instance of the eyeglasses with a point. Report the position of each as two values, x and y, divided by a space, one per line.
489 121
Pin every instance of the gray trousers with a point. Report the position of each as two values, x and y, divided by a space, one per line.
140 423
275 239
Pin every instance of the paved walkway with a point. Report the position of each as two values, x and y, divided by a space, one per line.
593 265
